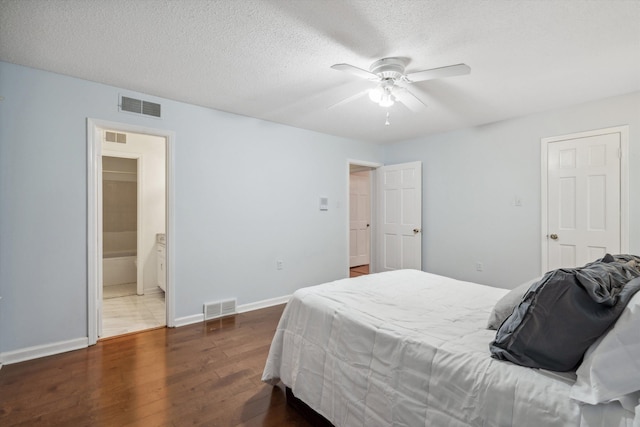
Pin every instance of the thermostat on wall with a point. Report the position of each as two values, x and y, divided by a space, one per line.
324 204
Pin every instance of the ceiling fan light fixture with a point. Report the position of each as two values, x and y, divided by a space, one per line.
375 94
387 100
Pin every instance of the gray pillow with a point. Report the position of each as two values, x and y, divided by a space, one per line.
505 305
564 313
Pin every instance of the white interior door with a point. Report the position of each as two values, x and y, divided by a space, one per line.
583 199
359 218
399 190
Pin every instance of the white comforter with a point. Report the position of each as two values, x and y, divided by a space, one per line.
408 348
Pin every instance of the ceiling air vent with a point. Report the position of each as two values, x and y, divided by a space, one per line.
139 106
110 136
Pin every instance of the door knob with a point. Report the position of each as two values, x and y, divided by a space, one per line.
553 236
416 230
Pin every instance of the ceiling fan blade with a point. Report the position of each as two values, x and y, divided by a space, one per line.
349 99
410 101
438 73
359 72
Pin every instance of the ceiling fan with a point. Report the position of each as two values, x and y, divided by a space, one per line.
393 82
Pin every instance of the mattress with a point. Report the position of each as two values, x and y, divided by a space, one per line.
409 348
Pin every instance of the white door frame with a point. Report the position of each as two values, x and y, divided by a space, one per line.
140 209
94 171
624 185
372 203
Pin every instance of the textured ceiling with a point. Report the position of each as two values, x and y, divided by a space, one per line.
270 59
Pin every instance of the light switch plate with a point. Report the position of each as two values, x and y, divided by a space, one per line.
324 204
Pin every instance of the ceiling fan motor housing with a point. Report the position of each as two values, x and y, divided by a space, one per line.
388 68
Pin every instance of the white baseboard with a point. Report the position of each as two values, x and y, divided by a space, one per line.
154 290
188 320
37 351
262 304
195 318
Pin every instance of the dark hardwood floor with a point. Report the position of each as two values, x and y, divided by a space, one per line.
203 374
360 270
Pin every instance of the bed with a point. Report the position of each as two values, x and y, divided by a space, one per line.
409 348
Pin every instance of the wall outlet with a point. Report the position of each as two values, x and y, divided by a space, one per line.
279 265
479 266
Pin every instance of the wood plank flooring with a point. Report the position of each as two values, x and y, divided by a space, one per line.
360 270
205 374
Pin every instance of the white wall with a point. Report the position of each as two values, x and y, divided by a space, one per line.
152 174
470 180
246 195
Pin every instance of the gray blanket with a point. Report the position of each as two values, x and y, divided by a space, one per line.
565 312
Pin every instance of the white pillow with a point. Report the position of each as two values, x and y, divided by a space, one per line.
505 305
611 366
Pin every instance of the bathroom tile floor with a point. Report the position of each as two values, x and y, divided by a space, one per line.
133 313
115 291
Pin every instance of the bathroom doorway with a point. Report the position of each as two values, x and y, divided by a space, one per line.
133 232
108 138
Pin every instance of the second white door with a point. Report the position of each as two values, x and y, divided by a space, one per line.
399 219
583 199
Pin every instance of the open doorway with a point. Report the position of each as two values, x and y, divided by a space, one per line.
133 232
132 166
395 221
361 236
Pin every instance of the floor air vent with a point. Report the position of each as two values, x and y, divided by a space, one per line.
139 106
217 309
